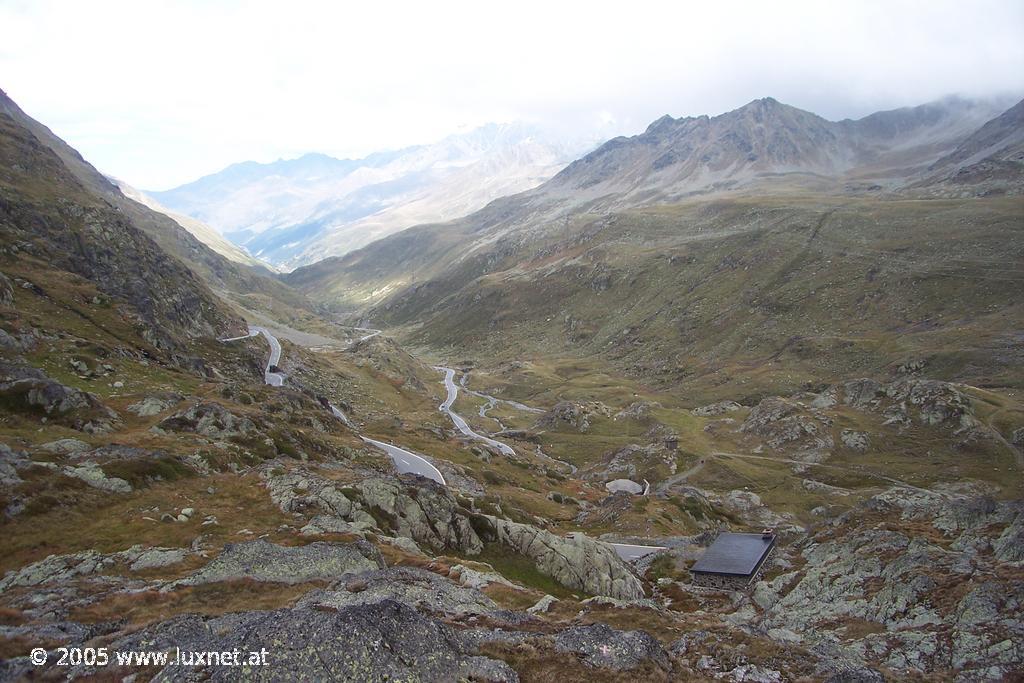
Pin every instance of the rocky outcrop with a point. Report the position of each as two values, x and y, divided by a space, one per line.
156 404
29 390
60 569
927 590
424 511
65 446
208 419
264 561
418 588
6 291
93 476
576 415
719 408
911 400
786 423
577 562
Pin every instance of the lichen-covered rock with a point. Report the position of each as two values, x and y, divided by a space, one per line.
142 559
577 562
601 645
385 641
54 569
264 561
409 585
93 475
421 510
900 587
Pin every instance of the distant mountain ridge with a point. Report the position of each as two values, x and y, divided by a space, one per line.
296 211
675 158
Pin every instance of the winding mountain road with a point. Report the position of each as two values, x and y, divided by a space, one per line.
408 462
460 423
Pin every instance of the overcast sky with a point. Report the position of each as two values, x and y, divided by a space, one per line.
160 93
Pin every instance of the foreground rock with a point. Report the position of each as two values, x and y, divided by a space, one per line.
385 641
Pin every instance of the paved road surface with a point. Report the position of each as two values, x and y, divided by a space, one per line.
274 379
462 425
407 461
632 552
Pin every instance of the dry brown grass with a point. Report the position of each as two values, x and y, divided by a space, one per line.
146 607
538 662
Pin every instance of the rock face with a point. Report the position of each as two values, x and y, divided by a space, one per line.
578 562
933 596
385 641
409 585
263 561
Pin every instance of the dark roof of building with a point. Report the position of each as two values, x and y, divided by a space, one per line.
739 554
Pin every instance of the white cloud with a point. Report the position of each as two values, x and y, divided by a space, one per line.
161 92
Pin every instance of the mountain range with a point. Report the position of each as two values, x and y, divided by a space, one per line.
597 249
293 212
761 329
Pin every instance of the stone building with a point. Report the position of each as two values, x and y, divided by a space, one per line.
733 561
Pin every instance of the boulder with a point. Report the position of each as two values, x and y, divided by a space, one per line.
542 605
602 646
29 390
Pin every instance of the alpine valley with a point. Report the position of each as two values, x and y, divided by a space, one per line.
511 391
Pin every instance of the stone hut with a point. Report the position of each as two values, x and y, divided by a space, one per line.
733 561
